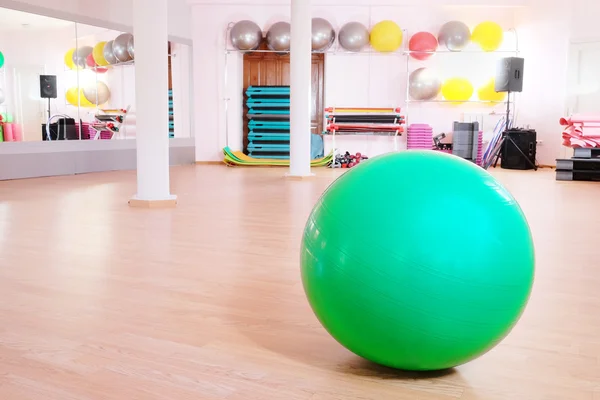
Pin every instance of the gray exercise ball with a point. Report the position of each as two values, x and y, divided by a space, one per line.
353 36
120 47
455 35
109 54
278 36
323 34
424 84
2 96
131 47
246 35
80 56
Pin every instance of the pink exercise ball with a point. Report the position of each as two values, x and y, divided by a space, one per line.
422 45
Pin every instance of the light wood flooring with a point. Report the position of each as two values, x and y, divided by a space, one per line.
99 301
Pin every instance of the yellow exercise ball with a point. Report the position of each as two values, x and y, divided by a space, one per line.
71 96
457 89
98 54
488 92
76 97
489 35
386 36
69 59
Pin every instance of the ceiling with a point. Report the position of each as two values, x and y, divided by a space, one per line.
11 20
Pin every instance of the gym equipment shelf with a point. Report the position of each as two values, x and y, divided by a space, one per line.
356 121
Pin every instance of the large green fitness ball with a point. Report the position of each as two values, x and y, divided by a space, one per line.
417 260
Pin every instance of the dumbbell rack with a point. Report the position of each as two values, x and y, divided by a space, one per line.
268 122
108 122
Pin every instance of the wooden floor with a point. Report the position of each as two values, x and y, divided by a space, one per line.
99 301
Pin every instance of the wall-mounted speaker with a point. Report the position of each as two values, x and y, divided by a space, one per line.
48 88
509 75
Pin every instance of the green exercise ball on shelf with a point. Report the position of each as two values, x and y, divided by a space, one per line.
417 260
2 60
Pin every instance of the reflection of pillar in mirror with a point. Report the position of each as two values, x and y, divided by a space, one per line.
300 87
152 104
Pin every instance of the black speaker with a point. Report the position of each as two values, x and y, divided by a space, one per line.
519 149
48 87
509 74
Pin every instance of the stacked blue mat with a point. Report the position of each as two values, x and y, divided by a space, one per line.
171 118
268 122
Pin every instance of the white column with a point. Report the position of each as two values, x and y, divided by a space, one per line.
151 97
300 86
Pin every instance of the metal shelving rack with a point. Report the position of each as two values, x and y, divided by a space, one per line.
401 52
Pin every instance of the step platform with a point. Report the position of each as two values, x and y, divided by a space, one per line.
586 152
261 90
268 117
578 169
270 156
585 176
268 137
270 125
578 164
268 148
276 101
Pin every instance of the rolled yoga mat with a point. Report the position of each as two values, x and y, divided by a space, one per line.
17 133
8 133
1 133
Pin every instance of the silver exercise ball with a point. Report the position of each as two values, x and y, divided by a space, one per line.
80 56
455 35
246 35
278 36
120 47
2 97
424 84
323 34
97 93
131 47
109 54
353 36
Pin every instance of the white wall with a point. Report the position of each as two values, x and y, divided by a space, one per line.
544 34
584 20
351 80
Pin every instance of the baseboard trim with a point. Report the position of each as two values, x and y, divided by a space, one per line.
210 163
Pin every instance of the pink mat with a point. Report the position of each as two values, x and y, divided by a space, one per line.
581 131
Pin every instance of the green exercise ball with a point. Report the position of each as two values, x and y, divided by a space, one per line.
1 59
417 260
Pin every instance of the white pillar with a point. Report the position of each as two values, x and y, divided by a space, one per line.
152 101
300 86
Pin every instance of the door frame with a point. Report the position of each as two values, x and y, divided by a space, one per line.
320 106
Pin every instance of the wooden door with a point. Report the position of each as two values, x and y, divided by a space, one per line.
274 69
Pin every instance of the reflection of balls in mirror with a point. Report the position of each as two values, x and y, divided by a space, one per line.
80 56
131 47
97 93
120 47
109 54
